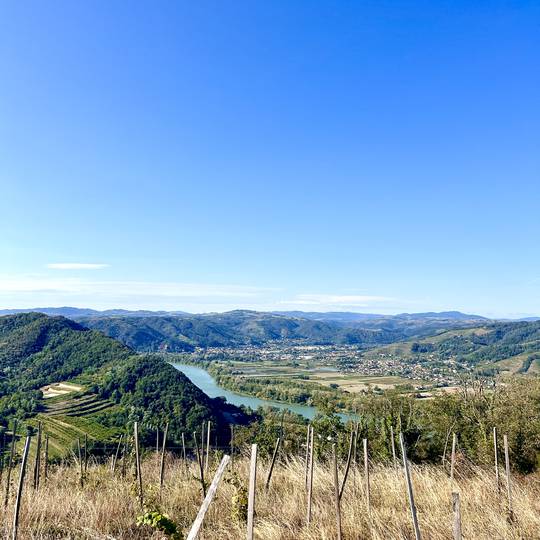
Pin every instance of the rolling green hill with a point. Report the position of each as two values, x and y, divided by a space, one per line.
106 385
506 346
234 328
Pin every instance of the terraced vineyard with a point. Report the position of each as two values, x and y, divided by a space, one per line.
68 418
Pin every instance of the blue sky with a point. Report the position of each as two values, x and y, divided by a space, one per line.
355 155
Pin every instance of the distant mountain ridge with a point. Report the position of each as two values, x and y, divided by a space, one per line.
74 313
344 316
348 316
252 328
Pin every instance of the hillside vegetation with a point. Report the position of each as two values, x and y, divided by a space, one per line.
116 384
240 328
506 346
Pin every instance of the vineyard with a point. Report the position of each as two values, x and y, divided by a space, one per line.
69 418
155 493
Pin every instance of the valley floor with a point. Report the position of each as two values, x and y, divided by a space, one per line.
107 506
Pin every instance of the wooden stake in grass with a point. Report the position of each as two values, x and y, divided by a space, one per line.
20 488
10 462
355 445
184 449
2 452
199 461
347 467
232 443
207 458
37 458
116 454
162 465
310 478
46 459
456 506
274 456
496 455
85 453
124 456
307 453
394 457
251 492
508 480
410 493
336 493
366 475
194 531
81 479
157 440
138 462
453 459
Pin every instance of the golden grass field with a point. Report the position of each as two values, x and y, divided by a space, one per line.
107 506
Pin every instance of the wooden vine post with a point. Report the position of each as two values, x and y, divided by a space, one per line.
496 455
20 488
251 492
81 472
308 435
508 479
310 479
10 462
336 493
184 451
85 453
232 443
393 443
194 531
456 506
347 467
37 461
453 458
117 453
207 458
46 459
200 463
366 474
410 492
272 463
138 462
162 464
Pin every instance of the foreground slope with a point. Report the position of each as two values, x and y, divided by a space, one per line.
107 505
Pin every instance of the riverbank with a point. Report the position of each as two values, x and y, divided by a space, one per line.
243 380
209 385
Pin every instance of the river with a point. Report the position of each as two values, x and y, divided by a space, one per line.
201 378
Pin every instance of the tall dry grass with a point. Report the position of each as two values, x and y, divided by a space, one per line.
107 506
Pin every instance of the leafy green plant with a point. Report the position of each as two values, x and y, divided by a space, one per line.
160 522
239 499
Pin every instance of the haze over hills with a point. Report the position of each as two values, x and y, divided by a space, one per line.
75 313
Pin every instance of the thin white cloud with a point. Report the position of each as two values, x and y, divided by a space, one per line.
336 300
38 290
77 266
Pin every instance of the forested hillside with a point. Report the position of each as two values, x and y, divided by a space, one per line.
235 328
502 346
104 384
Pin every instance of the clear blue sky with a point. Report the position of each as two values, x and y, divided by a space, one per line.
377 156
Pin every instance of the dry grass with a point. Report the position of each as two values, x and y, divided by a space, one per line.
107 506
